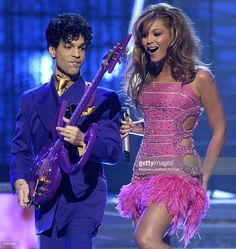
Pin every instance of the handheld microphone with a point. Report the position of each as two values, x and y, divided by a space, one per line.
125 141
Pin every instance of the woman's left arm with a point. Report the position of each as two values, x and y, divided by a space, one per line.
211 102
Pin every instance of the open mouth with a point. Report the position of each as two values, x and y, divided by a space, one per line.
152 49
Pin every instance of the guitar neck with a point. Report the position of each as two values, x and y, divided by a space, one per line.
85 99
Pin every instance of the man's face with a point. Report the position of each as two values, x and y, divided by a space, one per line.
69 56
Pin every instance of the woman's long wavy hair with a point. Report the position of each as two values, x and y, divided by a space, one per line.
182 55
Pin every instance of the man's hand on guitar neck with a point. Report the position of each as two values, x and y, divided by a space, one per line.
22 191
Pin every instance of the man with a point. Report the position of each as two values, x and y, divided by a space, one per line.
71 219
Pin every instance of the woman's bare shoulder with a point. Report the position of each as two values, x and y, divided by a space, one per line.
204 76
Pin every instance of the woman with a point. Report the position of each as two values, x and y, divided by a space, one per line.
169 85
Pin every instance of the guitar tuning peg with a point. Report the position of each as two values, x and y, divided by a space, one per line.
114 59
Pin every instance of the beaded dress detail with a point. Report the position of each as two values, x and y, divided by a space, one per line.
165 107
167 169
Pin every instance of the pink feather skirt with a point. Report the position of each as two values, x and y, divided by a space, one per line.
183 196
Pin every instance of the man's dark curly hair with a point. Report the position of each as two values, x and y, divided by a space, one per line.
68 27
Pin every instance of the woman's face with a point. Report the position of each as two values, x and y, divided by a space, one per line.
156 41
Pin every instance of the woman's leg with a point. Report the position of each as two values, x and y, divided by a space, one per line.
166 239
151 228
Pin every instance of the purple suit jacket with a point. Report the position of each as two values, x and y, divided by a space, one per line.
37 110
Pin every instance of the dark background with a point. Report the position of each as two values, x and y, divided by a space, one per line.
25 63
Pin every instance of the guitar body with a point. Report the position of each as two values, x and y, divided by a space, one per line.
45 177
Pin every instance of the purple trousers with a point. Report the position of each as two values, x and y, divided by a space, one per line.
76 222
77 234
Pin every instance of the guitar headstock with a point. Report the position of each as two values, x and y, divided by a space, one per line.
113 56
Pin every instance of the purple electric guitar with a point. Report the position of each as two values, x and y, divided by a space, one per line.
45 176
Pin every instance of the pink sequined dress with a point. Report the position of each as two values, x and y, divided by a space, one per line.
167 169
